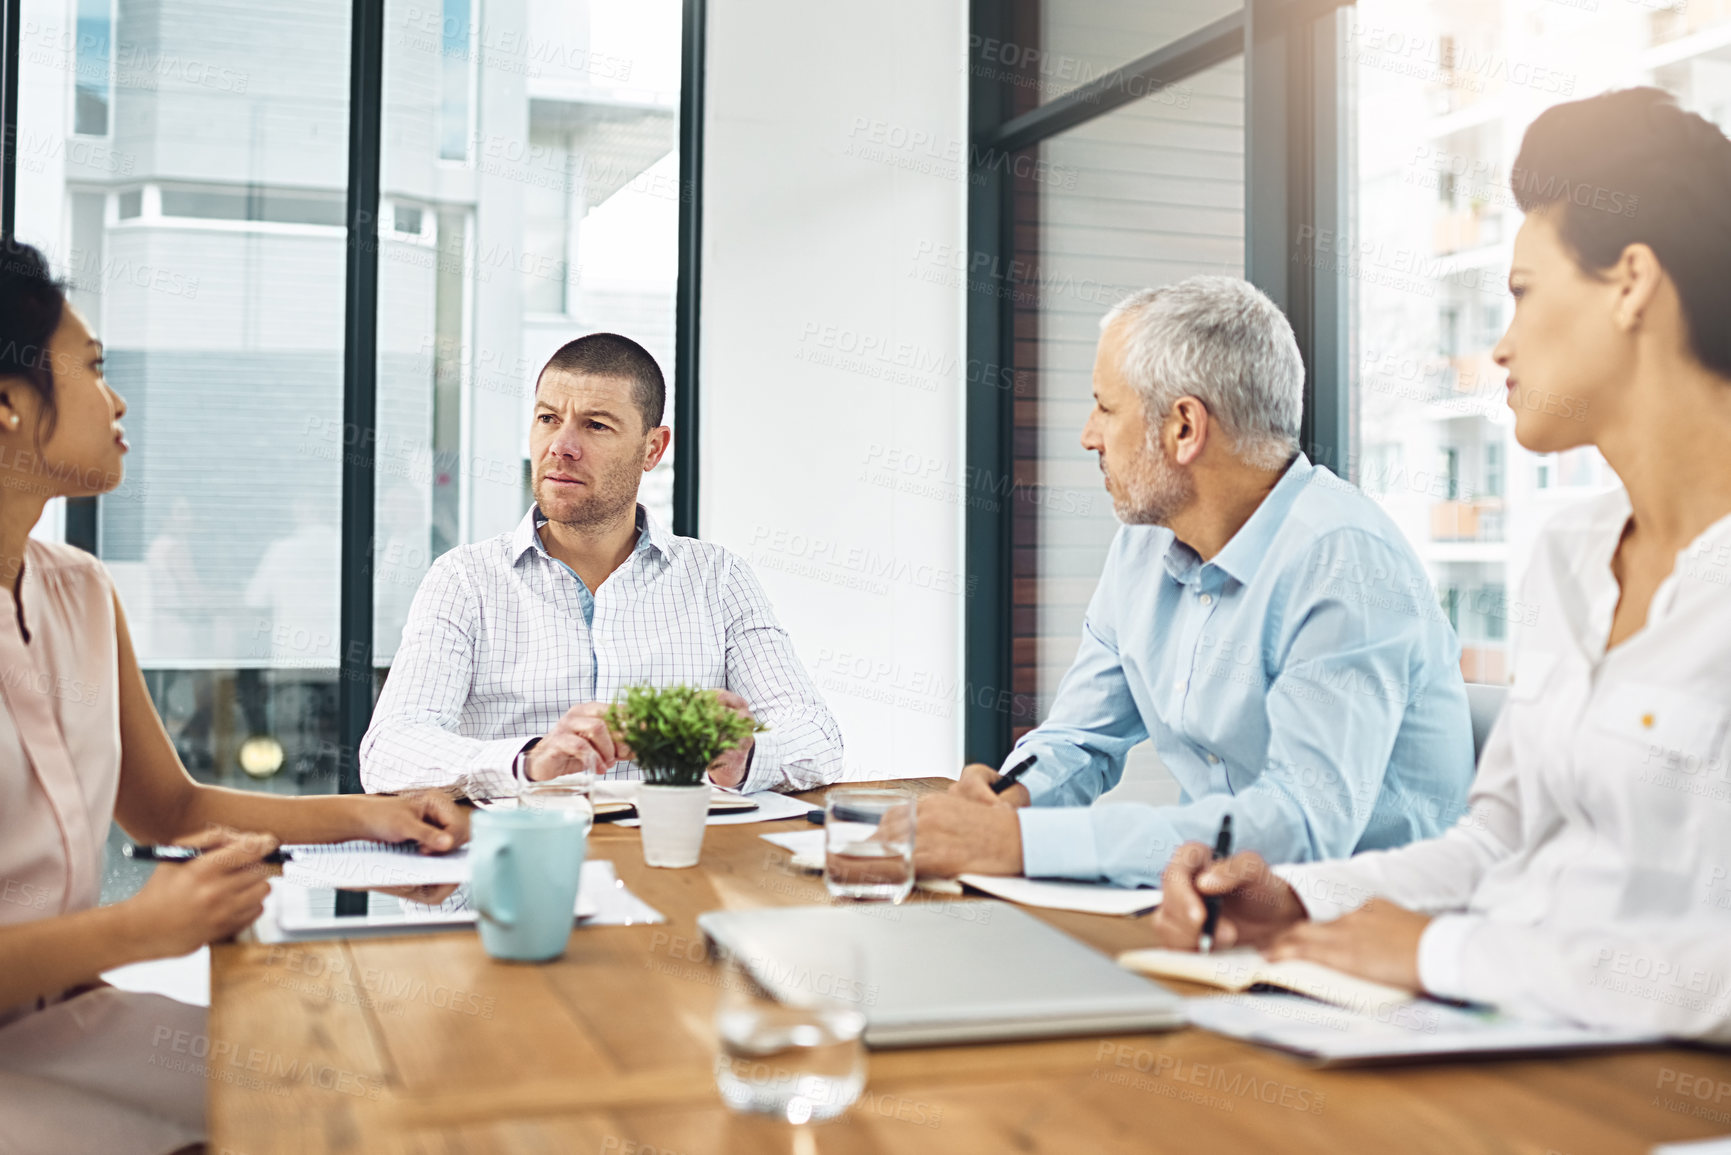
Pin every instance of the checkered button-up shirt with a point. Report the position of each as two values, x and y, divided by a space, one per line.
503 639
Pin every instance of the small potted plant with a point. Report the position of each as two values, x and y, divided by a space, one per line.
674 734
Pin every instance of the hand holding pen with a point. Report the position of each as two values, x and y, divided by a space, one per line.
143 853
139 852
1212 897
1211 903
1013 774
981 783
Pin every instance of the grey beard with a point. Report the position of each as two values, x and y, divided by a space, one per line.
1156 489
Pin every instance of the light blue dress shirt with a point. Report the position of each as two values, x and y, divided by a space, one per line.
1304 681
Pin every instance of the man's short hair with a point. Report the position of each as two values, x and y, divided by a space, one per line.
1222 341
610 355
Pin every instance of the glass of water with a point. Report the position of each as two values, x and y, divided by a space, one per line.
789 1028
869 844
567 793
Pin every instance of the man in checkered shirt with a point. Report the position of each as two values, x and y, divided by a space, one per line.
515 645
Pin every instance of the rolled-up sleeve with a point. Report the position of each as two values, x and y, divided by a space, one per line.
1342 682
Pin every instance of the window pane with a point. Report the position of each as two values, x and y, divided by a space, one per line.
456 79
1143 196
203 248
1444 91
93 58
557 217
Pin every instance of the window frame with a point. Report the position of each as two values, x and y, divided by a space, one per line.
10 29
356 679
1297 149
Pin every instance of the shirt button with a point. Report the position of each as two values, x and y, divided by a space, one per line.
1213 759
1207 599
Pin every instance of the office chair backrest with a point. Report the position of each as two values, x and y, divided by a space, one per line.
1484 703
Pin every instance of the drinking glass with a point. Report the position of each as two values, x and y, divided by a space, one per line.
569 793
869 844
789 1027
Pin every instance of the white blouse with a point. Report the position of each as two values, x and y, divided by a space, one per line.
1590 880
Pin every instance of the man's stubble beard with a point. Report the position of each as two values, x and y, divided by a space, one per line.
612 494
1155 489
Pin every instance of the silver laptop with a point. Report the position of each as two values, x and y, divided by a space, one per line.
956 972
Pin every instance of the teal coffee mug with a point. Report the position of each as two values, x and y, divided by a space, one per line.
526 867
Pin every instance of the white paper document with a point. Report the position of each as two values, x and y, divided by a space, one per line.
807 846
352 865
1418 1030
186 978
1695 1147
1088 897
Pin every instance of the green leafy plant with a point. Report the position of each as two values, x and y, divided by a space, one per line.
675 732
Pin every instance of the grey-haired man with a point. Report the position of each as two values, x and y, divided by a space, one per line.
1262 621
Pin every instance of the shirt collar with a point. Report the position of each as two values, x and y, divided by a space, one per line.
651 534
525 538
1598 580
1249 545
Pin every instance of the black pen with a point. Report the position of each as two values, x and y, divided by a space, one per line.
1211 903
1013 773
188 853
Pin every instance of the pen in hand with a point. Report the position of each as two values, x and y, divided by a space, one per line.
1211 903
187 853
1012 774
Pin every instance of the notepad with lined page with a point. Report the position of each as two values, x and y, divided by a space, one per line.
350 865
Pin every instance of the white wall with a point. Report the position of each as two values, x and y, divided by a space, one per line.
832 354
496 426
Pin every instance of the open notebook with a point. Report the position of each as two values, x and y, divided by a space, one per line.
357 864
1240 970
1335 1019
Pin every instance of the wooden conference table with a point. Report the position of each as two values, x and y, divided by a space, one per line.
422 1044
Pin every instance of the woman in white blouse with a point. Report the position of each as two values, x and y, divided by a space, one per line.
1591 878
85 1067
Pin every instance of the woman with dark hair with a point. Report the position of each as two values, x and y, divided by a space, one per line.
1590 880
85 1067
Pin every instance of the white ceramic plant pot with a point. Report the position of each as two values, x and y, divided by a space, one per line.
673 822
